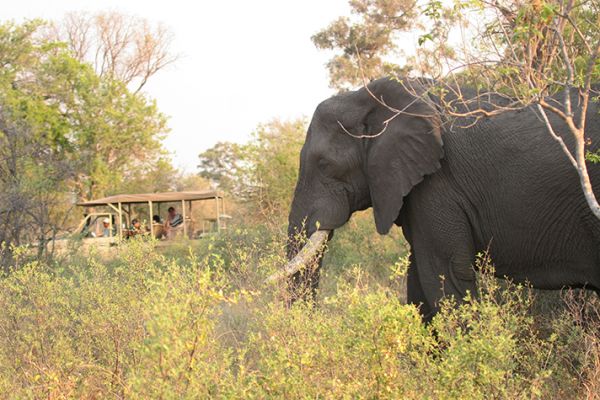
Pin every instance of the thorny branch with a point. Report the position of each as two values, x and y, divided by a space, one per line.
395 112
541 62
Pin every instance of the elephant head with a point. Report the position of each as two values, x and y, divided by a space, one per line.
365 148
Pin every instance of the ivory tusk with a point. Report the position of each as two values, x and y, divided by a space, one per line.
315 244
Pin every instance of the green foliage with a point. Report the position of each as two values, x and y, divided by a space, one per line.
274 155
34 135
366 40
360 345
594 158
89 329
66 132
150 326
118 133
95 123
224 165
357 244
261 173
524 48
153 176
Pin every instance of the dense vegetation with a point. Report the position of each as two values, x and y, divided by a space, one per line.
67 132
200 323
197 320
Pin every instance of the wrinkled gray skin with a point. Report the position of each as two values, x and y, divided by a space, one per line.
502 184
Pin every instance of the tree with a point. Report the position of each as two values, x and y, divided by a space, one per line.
369 37
275 160
261 173
157 175
226 165
34 136
523 53
191 181
65 134
118 132
121 47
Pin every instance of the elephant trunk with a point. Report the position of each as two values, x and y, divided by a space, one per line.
309 218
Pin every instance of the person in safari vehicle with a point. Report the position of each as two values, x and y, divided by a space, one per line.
136 228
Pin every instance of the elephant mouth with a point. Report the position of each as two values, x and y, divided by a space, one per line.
305 257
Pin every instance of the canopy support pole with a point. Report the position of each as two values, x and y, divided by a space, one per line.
151 218
184 221
191 217
120 221
118 210
218 216
128 214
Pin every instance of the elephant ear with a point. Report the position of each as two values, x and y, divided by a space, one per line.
408 148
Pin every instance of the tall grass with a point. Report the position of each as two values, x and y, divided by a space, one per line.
203 324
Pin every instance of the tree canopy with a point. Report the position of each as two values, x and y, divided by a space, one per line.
363 43
263 172
65 132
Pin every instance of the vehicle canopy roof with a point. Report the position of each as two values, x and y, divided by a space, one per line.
165 197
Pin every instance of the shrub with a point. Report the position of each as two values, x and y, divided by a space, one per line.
206 326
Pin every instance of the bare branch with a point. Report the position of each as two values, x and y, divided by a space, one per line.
556 137
571 74
126 48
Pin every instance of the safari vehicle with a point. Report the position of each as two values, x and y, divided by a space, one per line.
118 212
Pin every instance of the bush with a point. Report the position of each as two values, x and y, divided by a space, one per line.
156 326
355 245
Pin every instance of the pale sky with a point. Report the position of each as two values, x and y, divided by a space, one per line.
242 62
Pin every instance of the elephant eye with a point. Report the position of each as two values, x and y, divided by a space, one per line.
328 169
323 164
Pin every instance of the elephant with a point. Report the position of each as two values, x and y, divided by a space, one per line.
500 185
